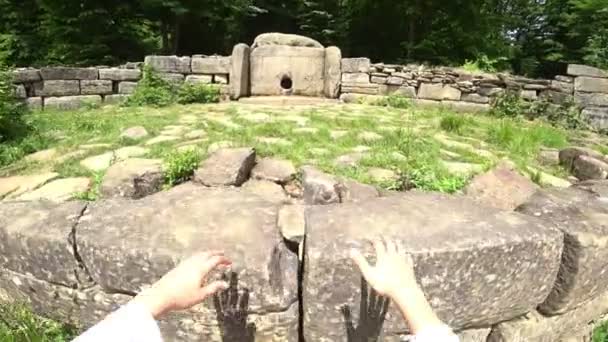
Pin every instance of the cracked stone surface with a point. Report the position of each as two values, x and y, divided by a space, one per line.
12 187
59 190
43 156
455 244
230 166
135 132
133 178
274 170
103 161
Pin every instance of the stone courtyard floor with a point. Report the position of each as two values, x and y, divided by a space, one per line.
394 149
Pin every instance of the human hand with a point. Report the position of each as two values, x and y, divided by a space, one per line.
393 272
185 286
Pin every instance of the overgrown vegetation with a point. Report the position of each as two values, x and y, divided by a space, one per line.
180 166
452 123
485 64
19 324
394 101
198 93
601 333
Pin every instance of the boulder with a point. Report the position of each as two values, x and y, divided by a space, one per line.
567 156
116 74
127 87
71 102
266 39
333 72
318 187
36 238
211 65
581 215
127 245
68 73
503 188
477 266
239 72
356 65
584 70
585 168
59 88
60 190
169 64
548 157
133 178
135 132
228 166
274 170
591 85
96 87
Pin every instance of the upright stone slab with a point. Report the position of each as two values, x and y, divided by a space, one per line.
35 239
478 266
127 245
68 73
333 71
169 64
591 85
584 70
582 215
239 71
211 65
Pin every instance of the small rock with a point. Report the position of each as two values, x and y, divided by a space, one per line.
306 130
274 170
382 175
271 192
230 166
60 190
349 160
319 188
274 141
398 156
369 136
335 135
42 156
195 134
12 187
586 168
548 157
501 188
133 178
219 145
294 189
291 223
161 139
568 155
136 132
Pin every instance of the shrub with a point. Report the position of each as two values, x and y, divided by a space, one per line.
12 110
198 93
394 101
152 90
452 123
484 63
508 105
180 166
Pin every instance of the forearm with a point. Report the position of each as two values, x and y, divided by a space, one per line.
415 310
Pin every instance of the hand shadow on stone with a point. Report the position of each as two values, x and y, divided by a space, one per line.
372 312
231 310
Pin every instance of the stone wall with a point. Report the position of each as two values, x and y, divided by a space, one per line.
460 89
67 88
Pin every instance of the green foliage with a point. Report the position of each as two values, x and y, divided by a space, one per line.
522 141
152 90
600 334
453 123
508 105
11 109
566 115
394 101
198 93
180 166
19 324
94 192
483 63
434 179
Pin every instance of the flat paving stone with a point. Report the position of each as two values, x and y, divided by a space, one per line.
161 139
464 146
11 187
59 190
335 135
369 136
274 141
361 149
298 120
135 132
43 156
306 130
195 134
382 175
94 146
256 117
224 122
219 145
349 160
103 161
188 119
318 151
546 179
460 168
174 130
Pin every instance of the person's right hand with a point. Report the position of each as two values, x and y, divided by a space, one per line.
393 271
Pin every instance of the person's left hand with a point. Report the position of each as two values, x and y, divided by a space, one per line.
185 286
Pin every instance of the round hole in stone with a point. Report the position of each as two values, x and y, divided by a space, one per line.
286 82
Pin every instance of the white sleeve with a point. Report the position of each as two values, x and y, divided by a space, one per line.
436 334
131 323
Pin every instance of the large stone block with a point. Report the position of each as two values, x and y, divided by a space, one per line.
172 78
128 244
438 91
355 65
477 266
591 85
116 74
285 39
535 327
171 64
583 70
356 78
26 75
34 103
211 65
127 87
581 215
404 90
20 91
68 73
239 72
593 99
71 102
115 99
35 239
276 70
360 88
199 79
96 87
59 88
597 117
333 72
229 166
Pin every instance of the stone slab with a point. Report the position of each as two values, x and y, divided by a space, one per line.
115 98
333 72
274 170
597 117
69 73
116 74
591 99
284 39
71 102
172 78
35 239
582 216
584 70
96 87
169 64
34 103
60 190
356 78
477 266
133 178
26 75
591 85
230 166
59 88
354 65
239 72
199 79
211 65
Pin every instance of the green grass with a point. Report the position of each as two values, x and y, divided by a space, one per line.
19 324
453 123
601 333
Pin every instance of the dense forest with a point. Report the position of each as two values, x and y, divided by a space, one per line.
531 37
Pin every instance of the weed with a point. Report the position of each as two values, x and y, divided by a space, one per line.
152 90
522 141
483 63
600 334
452 123
180 166
394 101
95 191
508 105
198 93
19 324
